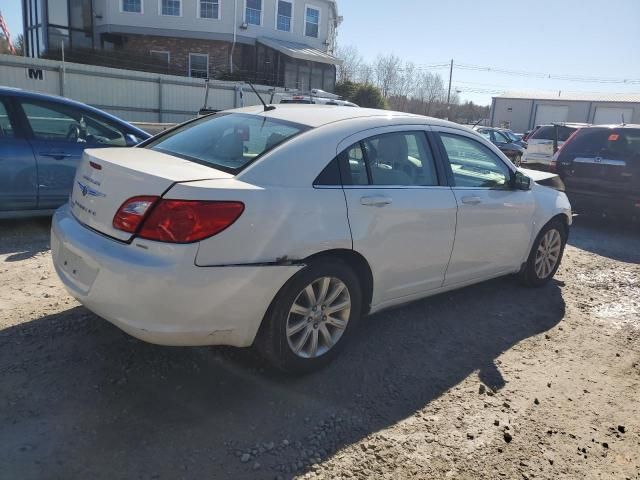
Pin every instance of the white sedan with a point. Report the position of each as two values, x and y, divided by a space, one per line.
282 228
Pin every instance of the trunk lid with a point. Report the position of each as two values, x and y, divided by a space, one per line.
107 177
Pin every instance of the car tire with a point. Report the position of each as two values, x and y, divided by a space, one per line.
546 254
293 316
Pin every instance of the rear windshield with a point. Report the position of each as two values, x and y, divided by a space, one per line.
306 102
226 141
598 140
547 133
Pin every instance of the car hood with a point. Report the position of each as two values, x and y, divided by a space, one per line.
537 175
546 179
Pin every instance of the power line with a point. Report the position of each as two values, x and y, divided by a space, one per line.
551 76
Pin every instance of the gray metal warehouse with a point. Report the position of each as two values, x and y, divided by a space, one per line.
521 111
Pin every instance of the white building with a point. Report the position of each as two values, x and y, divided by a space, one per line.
522 111
287 43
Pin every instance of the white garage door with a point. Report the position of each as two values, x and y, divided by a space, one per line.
609 115
551 113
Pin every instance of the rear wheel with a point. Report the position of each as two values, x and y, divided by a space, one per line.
311 317
546 254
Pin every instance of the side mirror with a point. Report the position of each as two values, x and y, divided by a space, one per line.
131 140
521 181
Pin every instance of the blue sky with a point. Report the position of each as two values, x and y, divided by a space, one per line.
585 38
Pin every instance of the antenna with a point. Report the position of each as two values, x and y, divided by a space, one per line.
266 107
623 119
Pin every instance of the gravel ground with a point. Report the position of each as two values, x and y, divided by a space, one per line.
493 381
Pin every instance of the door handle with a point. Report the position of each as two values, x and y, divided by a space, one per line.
471 200
375 201
56 155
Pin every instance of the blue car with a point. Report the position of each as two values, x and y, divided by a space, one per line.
42 138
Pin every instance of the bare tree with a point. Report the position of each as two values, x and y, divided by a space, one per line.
405 83
351 62
386 73
365 74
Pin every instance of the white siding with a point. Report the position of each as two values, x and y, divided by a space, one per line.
551 113
612 115
189 22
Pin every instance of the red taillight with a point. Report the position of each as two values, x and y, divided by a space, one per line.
132 212
186 221
176 221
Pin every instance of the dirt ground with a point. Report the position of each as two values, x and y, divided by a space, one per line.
493 381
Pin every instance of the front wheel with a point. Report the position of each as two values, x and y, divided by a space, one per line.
546 254
311 317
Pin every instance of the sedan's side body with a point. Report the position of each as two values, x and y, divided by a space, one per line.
413 205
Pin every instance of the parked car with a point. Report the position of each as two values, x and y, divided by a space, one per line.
42 138
544 142
319 97
513 148
600 167
514 137
245 226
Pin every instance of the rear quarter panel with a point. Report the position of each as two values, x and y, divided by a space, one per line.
278 225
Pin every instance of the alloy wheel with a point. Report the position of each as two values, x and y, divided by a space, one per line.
318 317
548 253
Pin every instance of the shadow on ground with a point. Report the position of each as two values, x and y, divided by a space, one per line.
80 399
615 239
24 238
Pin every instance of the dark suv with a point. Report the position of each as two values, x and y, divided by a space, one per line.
600 167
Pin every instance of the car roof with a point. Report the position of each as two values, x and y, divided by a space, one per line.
17 92
318 115
616 125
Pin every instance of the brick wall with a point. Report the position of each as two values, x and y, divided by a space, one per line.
179 49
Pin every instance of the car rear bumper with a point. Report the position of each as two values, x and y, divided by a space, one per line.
159 295
622 205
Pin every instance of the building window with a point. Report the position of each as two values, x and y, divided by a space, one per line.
284 15
171 8
131 6
312 22
161 57
209 9
199 65
253 15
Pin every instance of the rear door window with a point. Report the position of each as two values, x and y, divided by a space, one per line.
392 159
400 158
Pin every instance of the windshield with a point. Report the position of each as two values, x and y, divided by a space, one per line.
512 136
227 141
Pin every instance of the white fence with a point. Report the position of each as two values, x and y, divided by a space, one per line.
132 96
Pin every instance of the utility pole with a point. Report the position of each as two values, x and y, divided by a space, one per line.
449 90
